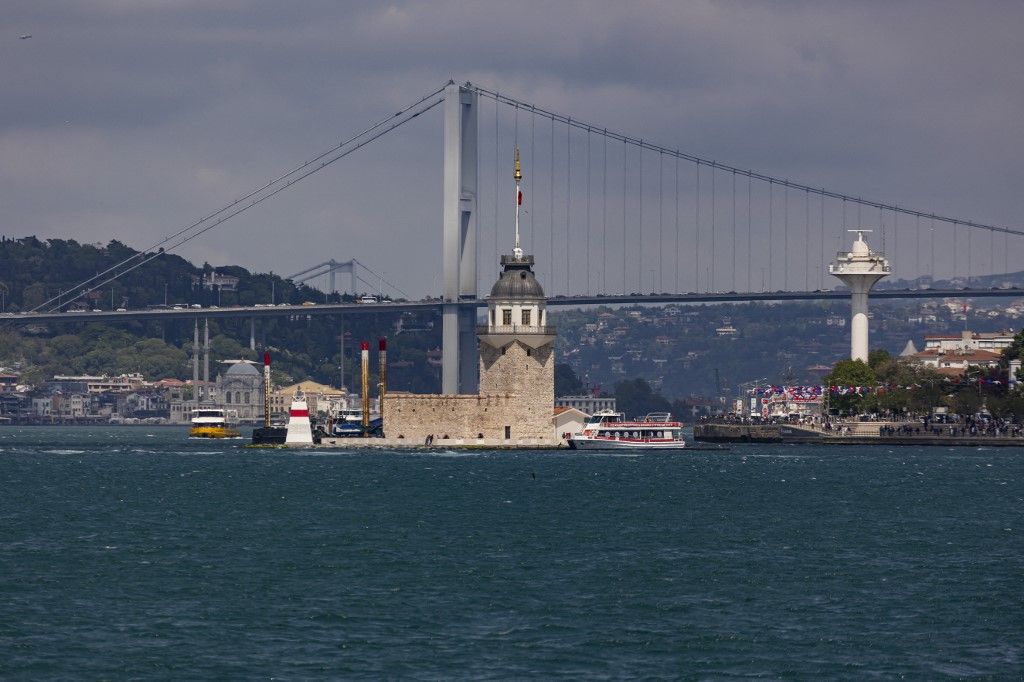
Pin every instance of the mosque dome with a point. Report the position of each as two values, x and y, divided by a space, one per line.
242 369
517 280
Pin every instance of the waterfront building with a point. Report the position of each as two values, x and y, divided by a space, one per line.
952 354
968 340
953 363
122 383
320 398
588 404
568 421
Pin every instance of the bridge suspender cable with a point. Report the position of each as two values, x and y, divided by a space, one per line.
275 186
643 144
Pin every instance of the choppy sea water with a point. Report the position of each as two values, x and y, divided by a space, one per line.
136 553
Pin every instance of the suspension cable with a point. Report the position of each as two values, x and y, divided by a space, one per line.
604 218
917 248
640 241
588 212
696 229
379 276
821 212
807 241
733 274
310 169
955 232
860 201
661 220
676 177
551 209
711 278
625 158
750 242
771 233
533 164
234 204
568 205
785 238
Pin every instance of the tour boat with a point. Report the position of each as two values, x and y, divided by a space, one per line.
209 422
608 430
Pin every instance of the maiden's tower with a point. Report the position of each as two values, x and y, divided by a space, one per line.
517 370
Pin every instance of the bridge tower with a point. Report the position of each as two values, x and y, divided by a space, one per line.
459 371
859 268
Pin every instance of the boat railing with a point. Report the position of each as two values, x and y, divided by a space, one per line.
657 417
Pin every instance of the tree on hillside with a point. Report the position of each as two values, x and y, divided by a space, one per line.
566 381
635 397
877 357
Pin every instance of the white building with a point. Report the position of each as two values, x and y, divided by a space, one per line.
586 403
969 341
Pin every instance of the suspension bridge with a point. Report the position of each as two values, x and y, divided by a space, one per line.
613 218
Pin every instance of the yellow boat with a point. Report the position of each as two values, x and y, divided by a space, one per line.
208 422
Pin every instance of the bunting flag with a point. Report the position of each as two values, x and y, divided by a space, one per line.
519 198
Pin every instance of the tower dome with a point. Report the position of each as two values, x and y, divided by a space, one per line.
517 280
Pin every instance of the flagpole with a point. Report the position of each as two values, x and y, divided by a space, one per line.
518 176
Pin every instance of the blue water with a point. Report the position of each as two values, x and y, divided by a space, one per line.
135 553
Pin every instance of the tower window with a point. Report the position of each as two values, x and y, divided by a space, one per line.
525 314
506 316
508 432
528 352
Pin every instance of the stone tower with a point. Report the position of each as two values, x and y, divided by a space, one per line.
517 349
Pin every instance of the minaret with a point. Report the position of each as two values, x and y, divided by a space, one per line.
517 345
859 269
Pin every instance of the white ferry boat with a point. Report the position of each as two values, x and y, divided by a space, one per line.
608 430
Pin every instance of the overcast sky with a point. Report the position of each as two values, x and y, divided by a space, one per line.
129 119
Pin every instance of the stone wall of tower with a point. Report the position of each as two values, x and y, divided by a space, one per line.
527 373
517 393
457 417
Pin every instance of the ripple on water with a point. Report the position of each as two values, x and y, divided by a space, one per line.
129 561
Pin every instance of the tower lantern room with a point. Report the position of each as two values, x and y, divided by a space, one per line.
516 306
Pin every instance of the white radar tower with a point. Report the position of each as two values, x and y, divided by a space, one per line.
859 268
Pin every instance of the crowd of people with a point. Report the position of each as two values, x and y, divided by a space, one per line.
944 425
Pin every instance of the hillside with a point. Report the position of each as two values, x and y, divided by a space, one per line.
681 351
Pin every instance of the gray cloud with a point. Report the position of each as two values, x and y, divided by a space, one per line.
128 120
